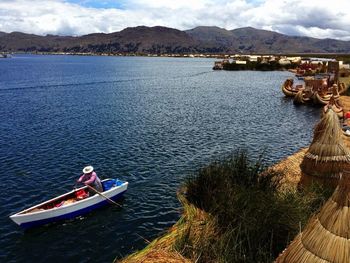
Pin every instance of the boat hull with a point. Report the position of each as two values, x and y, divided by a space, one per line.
317 99
28 220
287 92
300 98
287 88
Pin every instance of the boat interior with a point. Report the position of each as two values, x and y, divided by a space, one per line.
71 197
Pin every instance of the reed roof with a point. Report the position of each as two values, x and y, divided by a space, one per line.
326 238
327 155
327 144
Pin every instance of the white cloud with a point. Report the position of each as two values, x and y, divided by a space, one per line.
169 4
297 17
323 19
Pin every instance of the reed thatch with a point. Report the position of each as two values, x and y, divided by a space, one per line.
290 168
326 238
327 155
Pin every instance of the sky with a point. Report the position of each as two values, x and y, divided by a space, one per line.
320 19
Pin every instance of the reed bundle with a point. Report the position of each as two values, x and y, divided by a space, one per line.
299 97
326 238
290 168
327 155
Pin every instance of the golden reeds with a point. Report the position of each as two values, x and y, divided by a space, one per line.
327 155
290 168
193 221
299 97
326 238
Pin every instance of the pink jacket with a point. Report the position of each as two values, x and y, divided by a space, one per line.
87 178
92 180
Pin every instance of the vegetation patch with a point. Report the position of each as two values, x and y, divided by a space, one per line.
235 210
251 220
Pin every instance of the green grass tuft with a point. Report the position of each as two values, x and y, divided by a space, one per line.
252 221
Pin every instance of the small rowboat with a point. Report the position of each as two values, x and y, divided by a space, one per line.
70 205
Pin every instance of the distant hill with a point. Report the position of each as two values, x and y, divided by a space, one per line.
160 40
212 37
138 39
251 40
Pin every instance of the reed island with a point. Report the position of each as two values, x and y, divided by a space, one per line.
237 209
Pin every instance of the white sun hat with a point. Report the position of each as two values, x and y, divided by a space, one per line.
88 169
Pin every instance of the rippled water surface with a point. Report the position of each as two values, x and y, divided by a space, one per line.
150 121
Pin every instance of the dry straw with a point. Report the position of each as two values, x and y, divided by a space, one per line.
299 97
327 155
326 238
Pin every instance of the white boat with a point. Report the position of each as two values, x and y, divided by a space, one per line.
69 205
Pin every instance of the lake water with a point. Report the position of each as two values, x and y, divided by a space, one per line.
150 121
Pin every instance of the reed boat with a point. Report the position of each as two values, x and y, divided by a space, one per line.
303 97
70 205
325 99
322 100
317 92
288 89
335 106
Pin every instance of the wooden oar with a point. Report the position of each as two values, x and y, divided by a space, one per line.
108 199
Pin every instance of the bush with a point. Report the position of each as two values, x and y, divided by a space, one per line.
254 221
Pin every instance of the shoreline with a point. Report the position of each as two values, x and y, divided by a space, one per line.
162 248
338 56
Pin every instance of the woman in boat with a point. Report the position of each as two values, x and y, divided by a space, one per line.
89 177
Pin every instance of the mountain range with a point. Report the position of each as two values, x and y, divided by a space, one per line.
161 40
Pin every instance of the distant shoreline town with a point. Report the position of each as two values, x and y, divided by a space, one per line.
292 57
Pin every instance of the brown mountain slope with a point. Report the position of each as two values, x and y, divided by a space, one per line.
138 39
160 40
251 40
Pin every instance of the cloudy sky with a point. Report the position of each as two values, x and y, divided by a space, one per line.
321 18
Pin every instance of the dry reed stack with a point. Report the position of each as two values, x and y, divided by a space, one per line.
326 238
327 155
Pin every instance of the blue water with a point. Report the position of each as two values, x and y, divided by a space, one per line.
150 121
